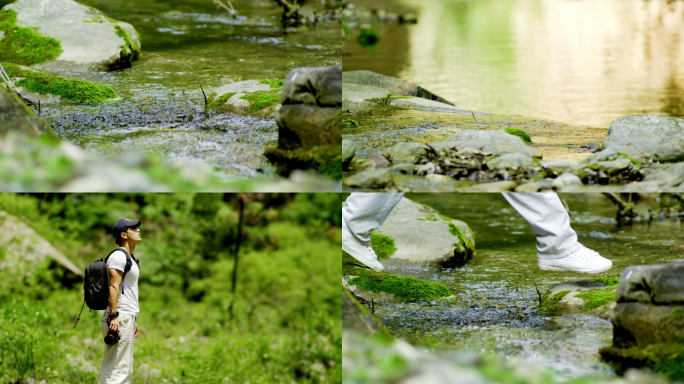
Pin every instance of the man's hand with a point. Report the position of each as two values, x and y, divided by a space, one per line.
136 330
114 325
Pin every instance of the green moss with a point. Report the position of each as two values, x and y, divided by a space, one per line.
22 45
666 359
261 100
634 161
520 133
403 288
273 83
70 90
215 102
607 280
350 123
549 302
382 245
456 231
676 314
595 299
324 159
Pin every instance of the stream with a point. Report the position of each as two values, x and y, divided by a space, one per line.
161 106
496 306
579 62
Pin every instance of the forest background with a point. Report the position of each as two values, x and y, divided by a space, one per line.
285 324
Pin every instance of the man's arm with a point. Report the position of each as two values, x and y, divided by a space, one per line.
115 278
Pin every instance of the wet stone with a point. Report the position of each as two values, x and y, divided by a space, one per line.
411 153
647 137
348 151
372 178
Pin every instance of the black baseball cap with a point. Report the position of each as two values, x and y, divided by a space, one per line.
120 225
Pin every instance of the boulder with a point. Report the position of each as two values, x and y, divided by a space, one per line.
17 117
426 238
311 104
409 153
363 96
513 162
648 320
88 39
231 98
580 296
647 137
389 83
370 178
659 284
495 142
566 180
348 151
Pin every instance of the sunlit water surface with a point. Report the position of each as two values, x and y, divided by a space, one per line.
581 62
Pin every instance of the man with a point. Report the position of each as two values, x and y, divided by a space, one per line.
557 245
120 316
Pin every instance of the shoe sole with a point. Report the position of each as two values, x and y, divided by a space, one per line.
561 269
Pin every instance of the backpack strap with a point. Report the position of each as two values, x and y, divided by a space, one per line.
127 268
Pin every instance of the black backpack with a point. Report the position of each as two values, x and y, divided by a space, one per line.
96 283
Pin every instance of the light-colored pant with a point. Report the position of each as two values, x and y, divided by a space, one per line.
544 212
117 362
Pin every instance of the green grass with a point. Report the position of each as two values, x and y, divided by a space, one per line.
273 83
287 313
70 90
520 133
607 280
215 102
549 303
403 288
595 299
261 100
382 245
25 46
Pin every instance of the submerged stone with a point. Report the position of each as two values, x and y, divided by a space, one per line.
88 38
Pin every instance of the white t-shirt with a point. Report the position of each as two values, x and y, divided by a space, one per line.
128 302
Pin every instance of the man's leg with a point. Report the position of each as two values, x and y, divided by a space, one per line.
364 213
557 245
117 362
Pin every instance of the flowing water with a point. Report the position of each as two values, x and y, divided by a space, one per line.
162 107
580 62
496 306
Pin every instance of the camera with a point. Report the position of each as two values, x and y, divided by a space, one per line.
111 338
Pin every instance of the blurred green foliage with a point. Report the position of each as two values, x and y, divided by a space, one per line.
286 323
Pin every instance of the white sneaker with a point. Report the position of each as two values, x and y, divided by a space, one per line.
361 252
584 260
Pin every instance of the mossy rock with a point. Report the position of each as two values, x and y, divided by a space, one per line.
69 90
665 358
23 45
595 296
324 159
402 288
66 35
